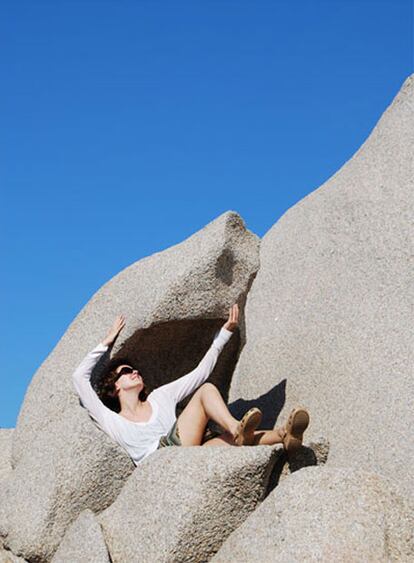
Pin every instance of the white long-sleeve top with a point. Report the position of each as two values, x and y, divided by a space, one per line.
140 439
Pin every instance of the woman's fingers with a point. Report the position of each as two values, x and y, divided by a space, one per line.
235 311
119 323
233 318
234 314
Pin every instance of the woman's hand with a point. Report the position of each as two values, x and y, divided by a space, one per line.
232 323
114 331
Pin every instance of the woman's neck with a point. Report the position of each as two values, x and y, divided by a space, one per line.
130 404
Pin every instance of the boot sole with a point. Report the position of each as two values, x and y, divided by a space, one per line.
247 426
296 425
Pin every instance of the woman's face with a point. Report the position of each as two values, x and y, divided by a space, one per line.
130 378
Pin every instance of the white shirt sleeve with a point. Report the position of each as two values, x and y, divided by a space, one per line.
81 381
185 385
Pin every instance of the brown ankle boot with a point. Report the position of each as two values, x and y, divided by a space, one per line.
247 426
296 425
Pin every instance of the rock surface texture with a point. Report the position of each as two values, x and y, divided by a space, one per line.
174 302
6 436
180 504
8 557
83 542
329 316
326 514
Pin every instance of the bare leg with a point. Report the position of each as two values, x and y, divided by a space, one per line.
206 403
269 437
225 439
262 438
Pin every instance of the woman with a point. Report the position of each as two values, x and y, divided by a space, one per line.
145 423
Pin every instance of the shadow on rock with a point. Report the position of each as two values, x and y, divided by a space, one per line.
270 403
316 453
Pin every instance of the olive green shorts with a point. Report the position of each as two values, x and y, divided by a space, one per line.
173 437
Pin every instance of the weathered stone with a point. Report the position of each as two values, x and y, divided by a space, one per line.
181 503
83 542
326 514
8 557
52 503
4 486
174 302
6 436
329 315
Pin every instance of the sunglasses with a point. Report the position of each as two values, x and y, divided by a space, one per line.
125 370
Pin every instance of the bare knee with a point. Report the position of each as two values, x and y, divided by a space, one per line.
205 388
208 387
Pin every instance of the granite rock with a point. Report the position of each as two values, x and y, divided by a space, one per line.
326 514
181 503
83 542
8 557
328 316
6 437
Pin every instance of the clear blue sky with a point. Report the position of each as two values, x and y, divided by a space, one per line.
129 125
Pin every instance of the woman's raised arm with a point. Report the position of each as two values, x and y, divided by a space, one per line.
185 385
82 375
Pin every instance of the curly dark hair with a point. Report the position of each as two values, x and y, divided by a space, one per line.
105 387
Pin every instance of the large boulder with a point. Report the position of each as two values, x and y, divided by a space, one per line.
34 520
326 514
181 503
83 542
6 436
174 302
329 315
